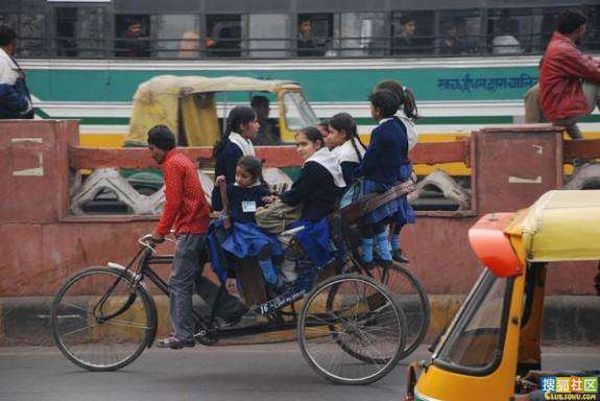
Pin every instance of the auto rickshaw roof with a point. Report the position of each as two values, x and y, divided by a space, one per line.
560 226
175 85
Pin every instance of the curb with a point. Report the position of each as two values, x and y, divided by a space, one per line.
568 319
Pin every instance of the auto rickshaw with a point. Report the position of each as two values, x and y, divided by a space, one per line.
194 106
493 341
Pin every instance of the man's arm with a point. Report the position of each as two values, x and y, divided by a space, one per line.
173 177
576 64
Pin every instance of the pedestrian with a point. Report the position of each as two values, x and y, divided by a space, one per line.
187 212
569 80
15 100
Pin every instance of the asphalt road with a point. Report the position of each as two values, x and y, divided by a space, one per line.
272 372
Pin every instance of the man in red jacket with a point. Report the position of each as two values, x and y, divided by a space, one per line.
569 80
187 212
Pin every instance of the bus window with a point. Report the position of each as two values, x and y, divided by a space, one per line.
80 31
412 33
268 35
510 31
459 32
592 39
30 29
177 36
360 34
132 33
225 33
315 32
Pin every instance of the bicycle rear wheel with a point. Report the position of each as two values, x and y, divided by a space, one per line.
410 296
101 320
350 330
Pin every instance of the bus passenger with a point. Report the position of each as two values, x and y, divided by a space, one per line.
381 169
235 142
349 150
245 238
407 115
317 189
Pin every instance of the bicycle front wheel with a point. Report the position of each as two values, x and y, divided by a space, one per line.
101 320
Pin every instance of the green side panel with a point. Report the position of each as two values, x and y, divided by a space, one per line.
429 84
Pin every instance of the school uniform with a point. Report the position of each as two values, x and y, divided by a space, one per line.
318 189
226 162
411 130
245 238
383 166
348 159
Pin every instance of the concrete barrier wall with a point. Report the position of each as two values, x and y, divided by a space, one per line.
41 245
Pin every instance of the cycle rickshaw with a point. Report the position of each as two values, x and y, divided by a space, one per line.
353 326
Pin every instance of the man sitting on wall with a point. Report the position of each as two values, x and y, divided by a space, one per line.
569 80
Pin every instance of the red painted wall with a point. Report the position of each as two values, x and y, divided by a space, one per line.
40 245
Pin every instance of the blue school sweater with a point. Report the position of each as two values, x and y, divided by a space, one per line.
315 189
386 153
237 195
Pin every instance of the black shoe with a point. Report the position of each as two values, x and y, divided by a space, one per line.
233 320
399 256
175 343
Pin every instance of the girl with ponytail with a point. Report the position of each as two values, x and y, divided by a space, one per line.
236 141
407 117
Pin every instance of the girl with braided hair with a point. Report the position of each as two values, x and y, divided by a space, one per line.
349 150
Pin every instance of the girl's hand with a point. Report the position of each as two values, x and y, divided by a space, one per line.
269 199
220 179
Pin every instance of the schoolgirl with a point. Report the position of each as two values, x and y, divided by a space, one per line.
242 127
407 114
317 189
380 169
245 238
349 150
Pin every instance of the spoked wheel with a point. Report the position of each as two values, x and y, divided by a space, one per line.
409 295
101 321
350 330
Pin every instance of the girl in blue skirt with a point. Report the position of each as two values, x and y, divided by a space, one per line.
381 169
245 238
407 114
317 189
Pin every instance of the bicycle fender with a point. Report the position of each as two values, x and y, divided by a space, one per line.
154 316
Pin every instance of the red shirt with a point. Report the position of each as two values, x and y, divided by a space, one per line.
563 68
185 207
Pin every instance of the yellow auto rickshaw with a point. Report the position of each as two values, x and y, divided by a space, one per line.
494 339
196 107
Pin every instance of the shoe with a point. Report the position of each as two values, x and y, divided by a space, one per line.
399 256
174 342
233 320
